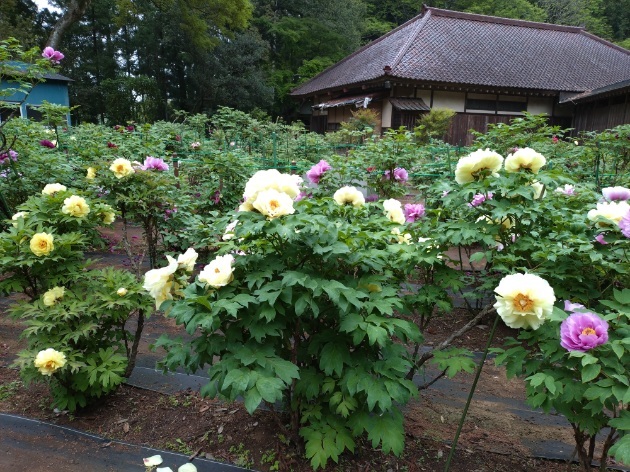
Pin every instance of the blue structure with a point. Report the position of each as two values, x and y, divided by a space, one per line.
54 90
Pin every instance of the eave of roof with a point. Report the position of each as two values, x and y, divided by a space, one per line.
612 89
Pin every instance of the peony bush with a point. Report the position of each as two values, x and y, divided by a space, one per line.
302 310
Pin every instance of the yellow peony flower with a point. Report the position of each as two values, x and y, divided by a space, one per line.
51 189
273 204
219 272
91 173
397 215
42 244
158 282
349 195
246 206
524 300
402 238
108 217
18 215
75 206
121 292
49 361
187 260
524 158
52 295
613 211
469 167
539 190
121 167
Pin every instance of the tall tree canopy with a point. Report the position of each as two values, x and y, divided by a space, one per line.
141 59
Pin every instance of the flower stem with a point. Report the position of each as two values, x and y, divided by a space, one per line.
470 395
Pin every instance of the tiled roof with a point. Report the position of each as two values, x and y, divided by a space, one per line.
616 88
443 46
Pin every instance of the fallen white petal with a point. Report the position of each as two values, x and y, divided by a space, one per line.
153 460
187 468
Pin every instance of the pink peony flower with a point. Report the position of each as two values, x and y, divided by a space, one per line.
624 224
616 194
554 139
48 144
600 239
111 145
479 198
583 331
154 163
316 172
570 306
52 55
413 211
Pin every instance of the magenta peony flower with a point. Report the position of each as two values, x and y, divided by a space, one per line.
111 145
624 224
317 171
413 211
371 198
10 155
615 194
400 174
600 239
54 56
130 128
154 163
48 144
583 331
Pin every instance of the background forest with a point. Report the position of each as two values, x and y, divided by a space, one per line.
139 60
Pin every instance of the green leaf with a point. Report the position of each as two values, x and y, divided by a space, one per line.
332 358
621 450
252 400
387 429
590 372
236 378
270 388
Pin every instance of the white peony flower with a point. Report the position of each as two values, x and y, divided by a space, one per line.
187 260
524 300
229 231
270 179
158 282
273 203
349 195
524 158
219 272
18 215
613 211
391 204
469 167
121 292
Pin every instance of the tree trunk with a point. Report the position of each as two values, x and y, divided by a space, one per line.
76 10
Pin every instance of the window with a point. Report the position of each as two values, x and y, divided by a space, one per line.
494 105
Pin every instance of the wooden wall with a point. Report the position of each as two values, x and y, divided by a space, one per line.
602 114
